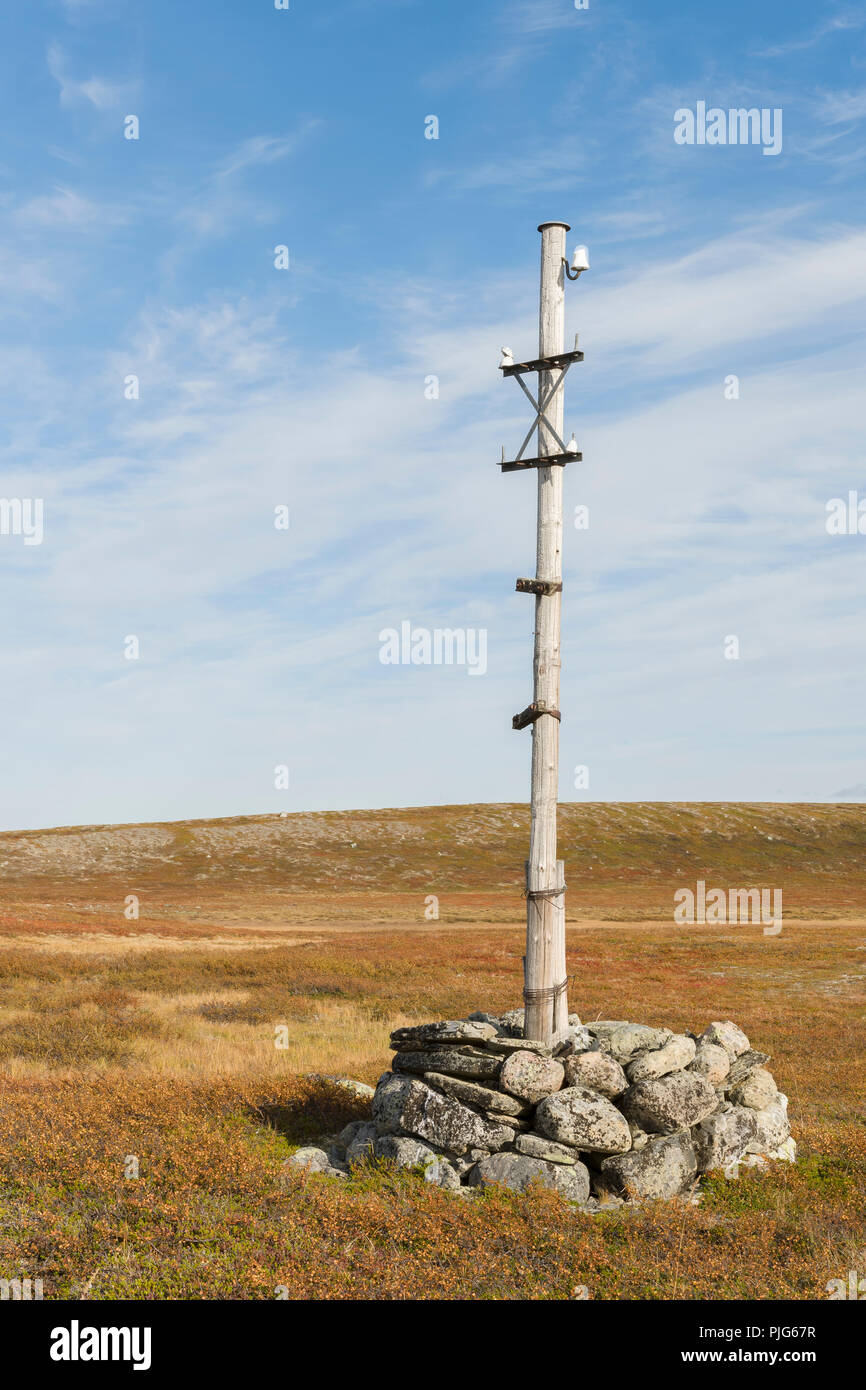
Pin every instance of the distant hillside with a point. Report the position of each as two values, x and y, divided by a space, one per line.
622 861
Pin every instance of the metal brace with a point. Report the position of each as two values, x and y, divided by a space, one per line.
531 713
538 586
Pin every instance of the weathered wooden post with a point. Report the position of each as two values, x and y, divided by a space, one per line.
545 983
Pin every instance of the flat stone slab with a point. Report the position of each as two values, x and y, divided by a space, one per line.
471 1093
537 1146
450 1063
744 1065
402 1103
509 1045
451 1031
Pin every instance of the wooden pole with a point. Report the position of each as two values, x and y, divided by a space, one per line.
545 996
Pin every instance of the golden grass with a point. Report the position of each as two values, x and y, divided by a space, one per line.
157 1040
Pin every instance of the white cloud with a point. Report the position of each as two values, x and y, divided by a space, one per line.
97 91
706 519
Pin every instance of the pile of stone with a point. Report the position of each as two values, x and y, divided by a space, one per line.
616 1112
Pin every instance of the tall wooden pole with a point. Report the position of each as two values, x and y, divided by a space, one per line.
545 994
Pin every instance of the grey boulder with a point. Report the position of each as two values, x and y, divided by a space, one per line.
624 1040
598 1071
362 1142
668 1103
402 1103
720 1139
674 1055
664 1168
530 1077
772 1127
537 1146
452 1031
757 1091
474 1066
517 1171
711 1062
471 1093
728 1036
583 1119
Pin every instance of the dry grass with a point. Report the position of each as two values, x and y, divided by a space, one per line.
162 1046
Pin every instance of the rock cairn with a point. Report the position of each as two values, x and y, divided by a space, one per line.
616 1112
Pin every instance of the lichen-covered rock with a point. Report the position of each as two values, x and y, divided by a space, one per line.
598 1071
406 1153
728 1036
668 1103
530 1077
512 1023
362 1142
471 1093
675 1055
537 1146
505 1046
712 1062
757 1091
514 1122
309 1159
744 1065
517 1171
583 1119
402 1103
314 1160
451 1031
442 1173
624 1040
450 1062
577 1039
663 1169
772 1127
345 1137
720 1139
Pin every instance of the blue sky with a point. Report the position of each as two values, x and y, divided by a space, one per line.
305 387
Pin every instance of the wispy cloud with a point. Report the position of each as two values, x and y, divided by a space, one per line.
99 92
835 24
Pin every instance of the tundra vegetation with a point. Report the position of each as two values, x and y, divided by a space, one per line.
154 1040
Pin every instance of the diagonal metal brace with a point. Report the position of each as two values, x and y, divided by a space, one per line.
540 408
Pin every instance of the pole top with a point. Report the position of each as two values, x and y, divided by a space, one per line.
542 225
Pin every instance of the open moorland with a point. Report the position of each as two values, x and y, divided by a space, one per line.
146 973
